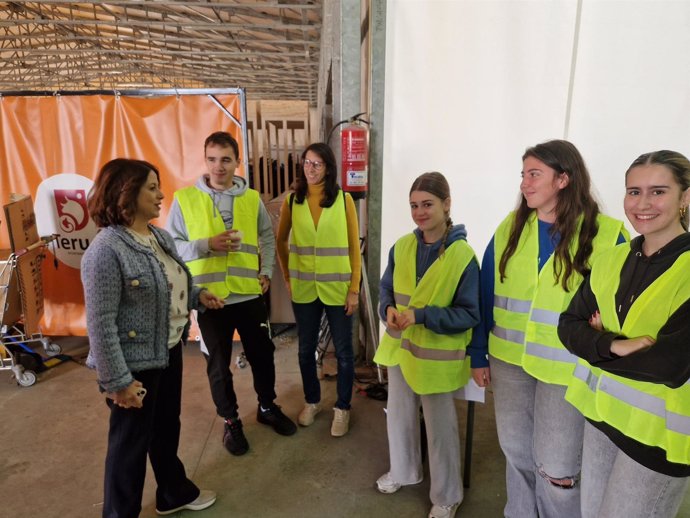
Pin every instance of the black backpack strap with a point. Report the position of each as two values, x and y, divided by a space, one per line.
291 199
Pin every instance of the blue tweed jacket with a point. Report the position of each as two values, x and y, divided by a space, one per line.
127 305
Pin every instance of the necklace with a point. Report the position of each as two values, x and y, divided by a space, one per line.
146 240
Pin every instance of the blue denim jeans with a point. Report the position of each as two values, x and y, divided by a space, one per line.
308 317
615 486
540 434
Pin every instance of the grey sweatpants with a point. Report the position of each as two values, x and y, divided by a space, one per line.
443 439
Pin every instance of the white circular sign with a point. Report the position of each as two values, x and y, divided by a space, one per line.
60 209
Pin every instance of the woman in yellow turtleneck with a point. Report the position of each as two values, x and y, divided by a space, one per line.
318 247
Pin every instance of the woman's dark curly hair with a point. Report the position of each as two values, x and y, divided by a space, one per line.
113 197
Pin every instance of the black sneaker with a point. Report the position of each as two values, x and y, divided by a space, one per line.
273 416
233 438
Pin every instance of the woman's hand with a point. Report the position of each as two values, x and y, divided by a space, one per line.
351 302
631 345
128 397
209 300
392 317
595 321
406 319
264 282
482 376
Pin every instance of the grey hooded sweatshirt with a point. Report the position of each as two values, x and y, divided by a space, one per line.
223 201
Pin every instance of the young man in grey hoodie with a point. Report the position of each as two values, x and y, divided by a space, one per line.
224 233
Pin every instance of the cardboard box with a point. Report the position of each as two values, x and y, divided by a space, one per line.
21 221
21 225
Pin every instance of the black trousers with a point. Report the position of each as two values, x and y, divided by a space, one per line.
153 430
217 327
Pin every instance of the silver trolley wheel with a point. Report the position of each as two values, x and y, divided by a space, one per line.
51 349
26 379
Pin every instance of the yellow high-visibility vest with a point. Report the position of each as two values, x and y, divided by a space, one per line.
650 413
223 273
319 260
528 303
431 363
545 357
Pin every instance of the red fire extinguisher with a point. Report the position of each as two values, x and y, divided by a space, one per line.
354 140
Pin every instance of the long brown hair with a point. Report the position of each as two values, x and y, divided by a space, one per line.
436 184
574 200
330 179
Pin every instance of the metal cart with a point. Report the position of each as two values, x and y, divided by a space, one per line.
16 274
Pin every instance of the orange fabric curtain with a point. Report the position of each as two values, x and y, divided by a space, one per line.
68 135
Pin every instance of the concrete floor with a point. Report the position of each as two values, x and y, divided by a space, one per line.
54 439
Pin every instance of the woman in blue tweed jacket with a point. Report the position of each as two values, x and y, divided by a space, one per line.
138 296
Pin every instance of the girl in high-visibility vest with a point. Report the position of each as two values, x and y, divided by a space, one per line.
318 247
530 270
429 300
630 324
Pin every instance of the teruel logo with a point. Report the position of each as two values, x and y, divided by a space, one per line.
61 209
71 209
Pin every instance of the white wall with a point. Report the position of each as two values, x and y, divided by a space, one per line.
471 83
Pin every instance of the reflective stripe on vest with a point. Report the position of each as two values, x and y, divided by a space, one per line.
509 335
401 299
545 357
513 305
223 273
552 354
633 397
585 375
544 316
322 252
528 303
319 261
430 363
424 353
320 277
513 296
650 413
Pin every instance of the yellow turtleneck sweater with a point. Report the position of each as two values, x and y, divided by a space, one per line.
314 196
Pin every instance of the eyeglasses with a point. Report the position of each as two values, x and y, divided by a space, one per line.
312 163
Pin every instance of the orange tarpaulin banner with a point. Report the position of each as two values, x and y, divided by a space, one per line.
52 146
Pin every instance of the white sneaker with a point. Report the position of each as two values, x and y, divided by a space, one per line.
205 499
341 422
443 511
308 413
385 484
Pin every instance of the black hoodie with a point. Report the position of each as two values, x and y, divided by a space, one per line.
666 362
